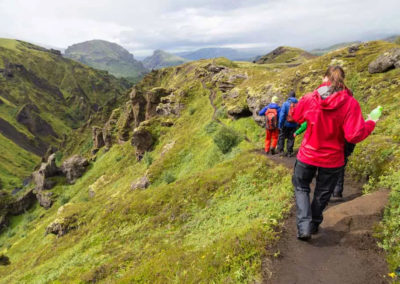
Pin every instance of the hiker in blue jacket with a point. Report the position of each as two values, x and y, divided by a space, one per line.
271 113
287 126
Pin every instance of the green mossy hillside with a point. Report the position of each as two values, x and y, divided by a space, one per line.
211 213
55 96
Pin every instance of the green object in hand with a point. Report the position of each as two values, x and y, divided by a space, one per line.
376 113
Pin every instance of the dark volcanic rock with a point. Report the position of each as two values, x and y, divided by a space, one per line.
143 140
354 48
4 260
215 68
98 140
29 117
74 167
22 204
239 112
386 61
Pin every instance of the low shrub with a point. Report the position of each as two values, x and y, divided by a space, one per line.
226 139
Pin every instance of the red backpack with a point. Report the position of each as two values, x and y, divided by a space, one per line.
289 117
271 119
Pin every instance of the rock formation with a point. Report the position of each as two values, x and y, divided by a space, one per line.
74 167
386 61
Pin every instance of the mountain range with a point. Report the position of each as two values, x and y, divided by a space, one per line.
161 59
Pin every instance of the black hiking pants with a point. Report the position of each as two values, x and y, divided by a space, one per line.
286 133
348 150
326 180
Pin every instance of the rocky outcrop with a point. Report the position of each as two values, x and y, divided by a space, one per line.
386 61
29 116
143 140
109 129
22 204
239 111
141 183
67 220
169 105
44 198
98 140
214 68
46 170
4 260
153 98
74 167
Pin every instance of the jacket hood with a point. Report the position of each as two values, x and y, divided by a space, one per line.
292 100
273 105
328 100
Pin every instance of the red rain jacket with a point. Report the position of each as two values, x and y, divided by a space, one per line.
329 122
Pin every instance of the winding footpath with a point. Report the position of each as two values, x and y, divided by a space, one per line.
344 251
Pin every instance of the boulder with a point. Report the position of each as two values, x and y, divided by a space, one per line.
44 198
4 260
141 183
74 167
62 225
386 61
214 68
354 48
239 111
143 140
98 140
255 104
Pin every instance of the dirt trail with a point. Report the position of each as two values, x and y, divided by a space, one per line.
343 251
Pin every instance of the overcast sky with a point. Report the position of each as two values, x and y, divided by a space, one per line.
178 25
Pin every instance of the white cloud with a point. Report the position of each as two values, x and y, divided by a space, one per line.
142 26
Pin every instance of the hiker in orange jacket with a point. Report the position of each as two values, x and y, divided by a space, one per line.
271 113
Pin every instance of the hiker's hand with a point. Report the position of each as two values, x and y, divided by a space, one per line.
374 120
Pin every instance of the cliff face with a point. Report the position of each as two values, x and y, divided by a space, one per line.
43 97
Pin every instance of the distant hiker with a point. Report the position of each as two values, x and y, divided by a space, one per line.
333 116
287 125
337 194
271 113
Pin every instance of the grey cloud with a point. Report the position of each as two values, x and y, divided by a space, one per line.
142 26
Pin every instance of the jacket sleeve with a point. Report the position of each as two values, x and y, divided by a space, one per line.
262 112
302 128
278 110
355 128
282 116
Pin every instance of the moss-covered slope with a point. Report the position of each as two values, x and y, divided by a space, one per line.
43 96
214 204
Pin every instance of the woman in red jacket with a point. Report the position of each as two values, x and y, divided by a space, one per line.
332 116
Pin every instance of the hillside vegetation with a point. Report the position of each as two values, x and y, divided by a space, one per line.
190 198
43 96
104 55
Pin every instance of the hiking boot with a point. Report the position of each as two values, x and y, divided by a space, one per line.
314 229
336 197
283 154
267 153
304 237
290 154
273 152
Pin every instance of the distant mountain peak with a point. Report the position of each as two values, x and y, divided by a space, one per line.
161 59
109 56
